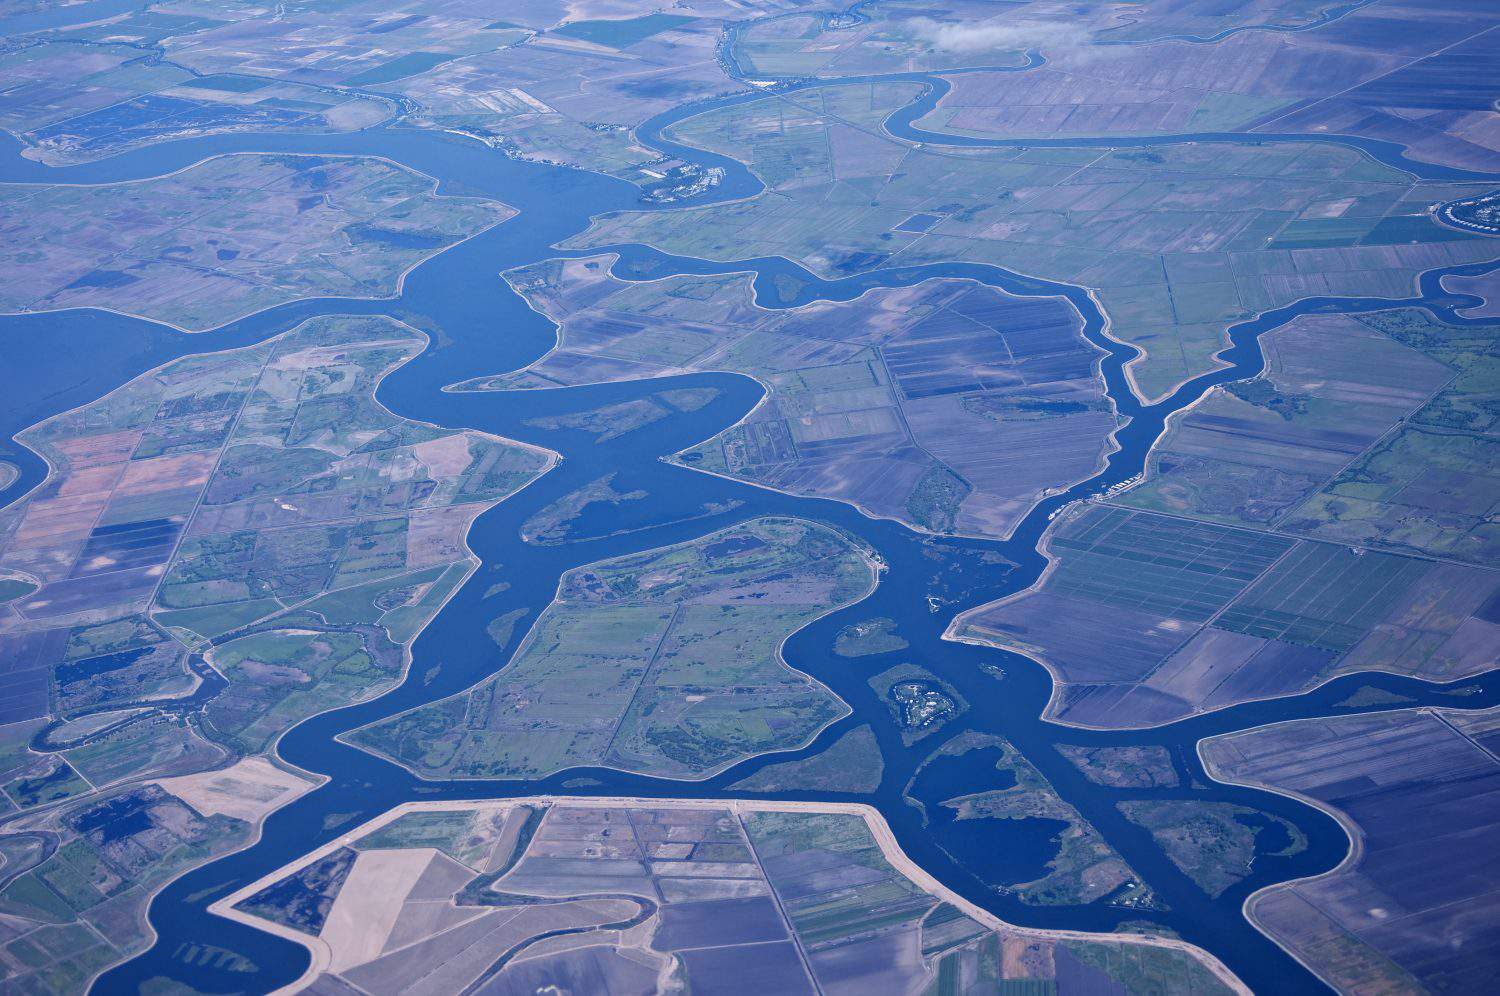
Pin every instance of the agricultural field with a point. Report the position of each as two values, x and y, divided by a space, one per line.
356 45
1192 616
575 91
243 537
1154 19
949 406
666 663
569 84
257 501
1422 490
1374 430
1331 515
1179 241
1389 71
627 896
227 237
908 36
1011 828
214 551
1409 910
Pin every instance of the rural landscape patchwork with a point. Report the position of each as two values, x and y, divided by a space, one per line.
750 496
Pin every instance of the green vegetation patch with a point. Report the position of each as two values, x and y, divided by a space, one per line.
622 33
852 764
409 64
1469 401
934 503
1149 968
920 702
1124 767
664 662
1323 596
868 638
1085 867
210 621
446 831
1423 490
14 588
613 421
554 524
279 675
502 628
59 781
1214 843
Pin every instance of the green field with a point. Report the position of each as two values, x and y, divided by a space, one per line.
664 662
852 763
175 248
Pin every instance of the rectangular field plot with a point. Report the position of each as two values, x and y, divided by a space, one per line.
1424 490
1322 596
1187 616
1425 797
1177 569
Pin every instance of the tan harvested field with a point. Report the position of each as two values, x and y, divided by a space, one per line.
367 906
247 790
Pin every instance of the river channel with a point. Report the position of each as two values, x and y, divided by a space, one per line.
480 326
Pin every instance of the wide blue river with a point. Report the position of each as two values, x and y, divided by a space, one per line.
479 326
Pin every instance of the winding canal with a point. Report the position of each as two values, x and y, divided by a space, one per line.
480 326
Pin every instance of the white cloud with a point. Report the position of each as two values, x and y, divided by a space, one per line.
996 35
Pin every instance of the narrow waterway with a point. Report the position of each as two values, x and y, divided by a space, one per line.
480 326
